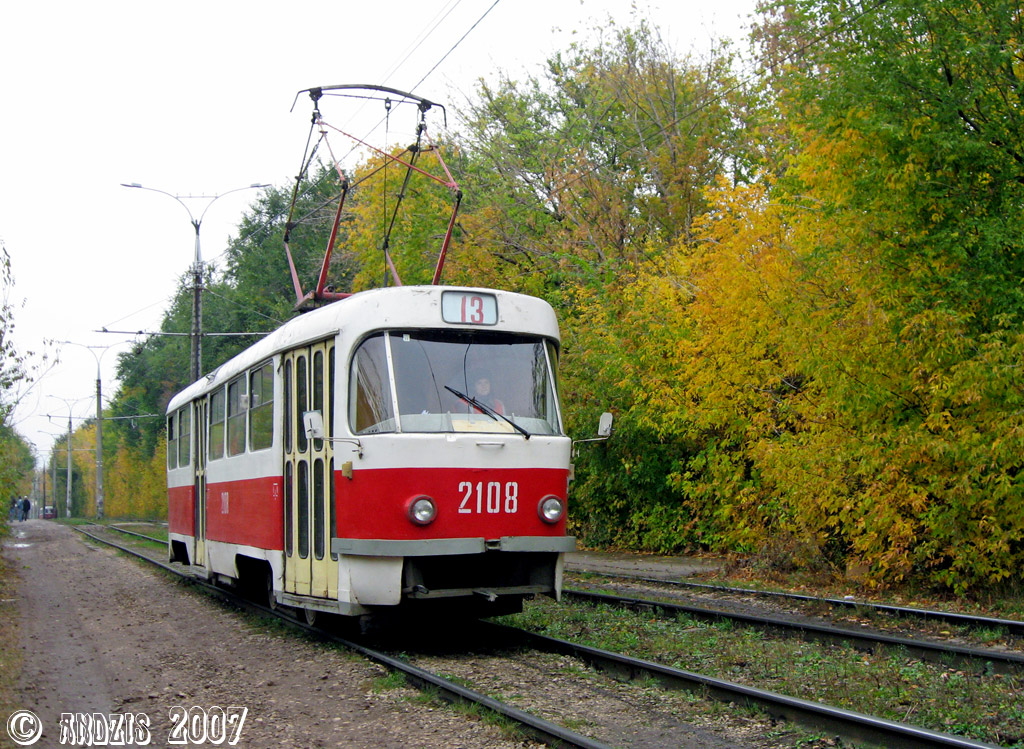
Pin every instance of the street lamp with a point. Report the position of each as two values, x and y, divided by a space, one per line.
99 419
197 267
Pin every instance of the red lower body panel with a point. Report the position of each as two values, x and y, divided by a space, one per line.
181 510
471 502
247 512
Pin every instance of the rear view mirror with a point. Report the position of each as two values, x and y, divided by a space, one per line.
604 432
313 421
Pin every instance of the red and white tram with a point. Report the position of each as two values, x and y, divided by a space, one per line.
401 446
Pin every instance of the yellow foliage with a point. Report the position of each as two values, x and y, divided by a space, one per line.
416 235
136 484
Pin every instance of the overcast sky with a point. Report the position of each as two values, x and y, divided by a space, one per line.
193 98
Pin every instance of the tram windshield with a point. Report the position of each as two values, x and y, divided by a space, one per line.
454 381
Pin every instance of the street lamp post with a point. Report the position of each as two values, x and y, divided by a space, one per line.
197 266
99 419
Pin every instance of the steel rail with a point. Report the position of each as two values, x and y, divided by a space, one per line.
538 728
849 724
927 650
1012 626
932 651
139 535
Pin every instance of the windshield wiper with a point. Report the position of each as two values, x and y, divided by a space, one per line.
484 408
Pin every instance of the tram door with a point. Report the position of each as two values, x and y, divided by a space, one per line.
199 463
308 473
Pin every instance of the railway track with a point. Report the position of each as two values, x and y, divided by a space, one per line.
999 661
538 728
1011 626
850 725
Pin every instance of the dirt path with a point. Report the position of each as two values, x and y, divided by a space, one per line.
100 634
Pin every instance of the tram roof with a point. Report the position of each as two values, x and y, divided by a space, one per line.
396 307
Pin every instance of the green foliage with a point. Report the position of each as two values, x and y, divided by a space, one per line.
841 344
926 201
257 277
832 357
413 227
58 470
576 183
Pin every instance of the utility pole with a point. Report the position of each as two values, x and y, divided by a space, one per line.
68 402
99 418
69 466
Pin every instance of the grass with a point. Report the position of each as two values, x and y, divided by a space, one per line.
987 707
388 682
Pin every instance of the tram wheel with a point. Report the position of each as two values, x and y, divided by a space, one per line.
310 616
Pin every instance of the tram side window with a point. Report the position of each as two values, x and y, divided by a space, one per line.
236 416
217 412
184 435
172 442
370 401
261 407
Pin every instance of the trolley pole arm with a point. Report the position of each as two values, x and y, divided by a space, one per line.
447 239
322 280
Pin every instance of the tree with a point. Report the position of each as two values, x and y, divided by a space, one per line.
582 175
843 334
924 204
16 461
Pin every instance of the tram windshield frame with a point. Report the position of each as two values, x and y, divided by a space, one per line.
430 378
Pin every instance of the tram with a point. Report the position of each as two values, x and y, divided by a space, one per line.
399 448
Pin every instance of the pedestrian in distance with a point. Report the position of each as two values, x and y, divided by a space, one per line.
25 507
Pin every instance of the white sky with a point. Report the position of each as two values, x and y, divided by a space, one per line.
193 98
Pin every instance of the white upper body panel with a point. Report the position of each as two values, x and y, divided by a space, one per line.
354 318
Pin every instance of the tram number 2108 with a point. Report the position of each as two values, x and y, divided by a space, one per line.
491 497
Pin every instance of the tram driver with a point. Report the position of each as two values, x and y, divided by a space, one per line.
482 393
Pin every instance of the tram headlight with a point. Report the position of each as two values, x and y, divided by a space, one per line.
551 509
422 510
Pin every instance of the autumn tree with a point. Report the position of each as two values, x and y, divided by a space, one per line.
578 175
846 332
918 108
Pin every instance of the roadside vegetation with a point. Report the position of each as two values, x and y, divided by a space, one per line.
792 272
16 470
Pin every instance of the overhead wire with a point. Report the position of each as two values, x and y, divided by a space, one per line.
455 46
427 75
440 17
439 20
